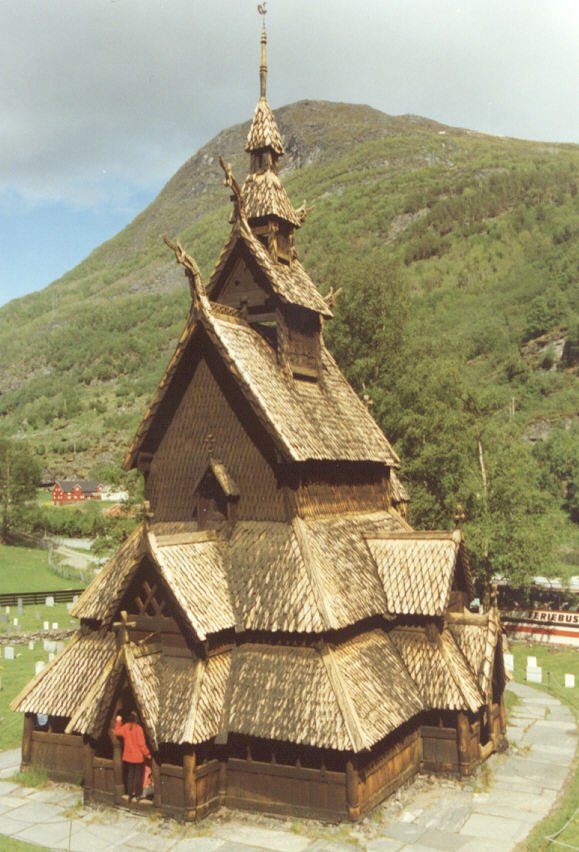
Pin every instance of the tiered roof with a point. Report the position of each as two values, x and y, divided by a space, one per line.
307 576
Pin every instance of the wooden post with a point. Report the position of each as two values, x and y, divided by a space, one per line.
463 741
189 763
118 783
157 790
353 790
28 728
503 743
87 768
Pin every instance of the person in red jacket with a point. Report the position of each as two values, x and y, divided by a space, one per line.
135 751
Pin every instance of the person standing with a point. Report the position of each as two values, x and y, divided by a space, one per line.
135 750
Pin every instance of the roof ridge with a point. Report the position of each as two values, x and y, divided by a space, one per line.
97 687
351 721
443 638
300 529
167 576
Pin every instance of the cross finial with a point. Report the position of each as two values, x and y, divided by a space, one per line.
263 64
122 628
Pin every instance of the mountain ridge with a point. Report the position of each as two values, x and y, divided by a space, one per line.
457 212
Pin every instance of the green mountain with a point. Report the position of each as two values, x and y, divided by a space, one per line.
454 250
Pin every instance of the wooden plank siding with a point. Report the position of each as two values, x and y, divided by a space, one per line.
212 411
60 754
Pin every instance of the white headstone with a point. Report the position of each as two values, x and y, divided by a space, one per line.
49 601
534 674
509 662
531 662
15 622
51 657
45 625
55 625
38 666
569 681
59 646
20 606
69 606
7 610
75 599
31 645
8 652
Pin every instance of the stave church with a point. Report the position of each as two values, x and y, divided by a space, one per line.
289 642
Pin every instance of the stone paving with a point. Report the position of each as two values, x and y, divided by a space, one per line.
492 812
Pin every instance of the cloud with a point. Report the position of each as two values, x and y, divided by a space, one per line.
103 98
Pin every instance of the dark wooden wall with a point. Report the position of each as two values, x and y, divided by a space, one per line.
212 405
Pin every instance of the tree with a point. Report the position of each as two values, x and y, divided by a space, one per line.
19 477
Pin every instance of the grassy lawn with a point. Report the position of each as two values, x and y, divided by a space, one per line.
15 675
25 569
555 662
33 618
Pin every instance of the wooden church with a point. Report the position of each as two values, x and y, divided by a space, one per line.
290 644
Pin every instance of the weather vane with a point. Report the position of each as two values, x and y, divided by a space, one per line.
261 8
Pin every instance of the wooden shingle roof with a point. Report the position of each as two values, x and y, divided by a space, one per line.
438 668
59 689
264 132
345 697
196 573
417 570
291 283
264 195
478 637
101 599
324 420
308 576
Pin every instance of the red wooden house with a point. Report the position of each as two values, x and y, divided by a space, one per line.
291 644
75 491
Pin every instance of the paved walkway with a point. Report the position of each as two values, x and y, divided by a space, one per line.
491 813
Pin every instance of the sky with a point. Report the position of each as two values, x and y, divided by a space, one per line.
101 101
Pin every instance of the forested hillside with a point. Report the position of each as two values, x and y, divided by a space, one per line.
457 255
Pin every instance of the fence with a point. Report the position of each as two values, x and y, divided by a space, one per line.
28 598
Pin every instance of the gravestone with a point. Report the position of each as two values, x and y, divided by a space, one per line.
49 601
532 662
45 625
55 625
38 666
51 657
8 652
31 645
75 599
60 646
7 610
534 674
569 681
509 662
15 622
20 606
69 606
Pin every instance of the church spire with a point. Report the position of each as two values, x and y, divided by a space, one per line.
263 64
267 206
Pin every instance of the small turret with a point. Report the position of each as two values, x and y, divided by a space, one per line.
269 211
